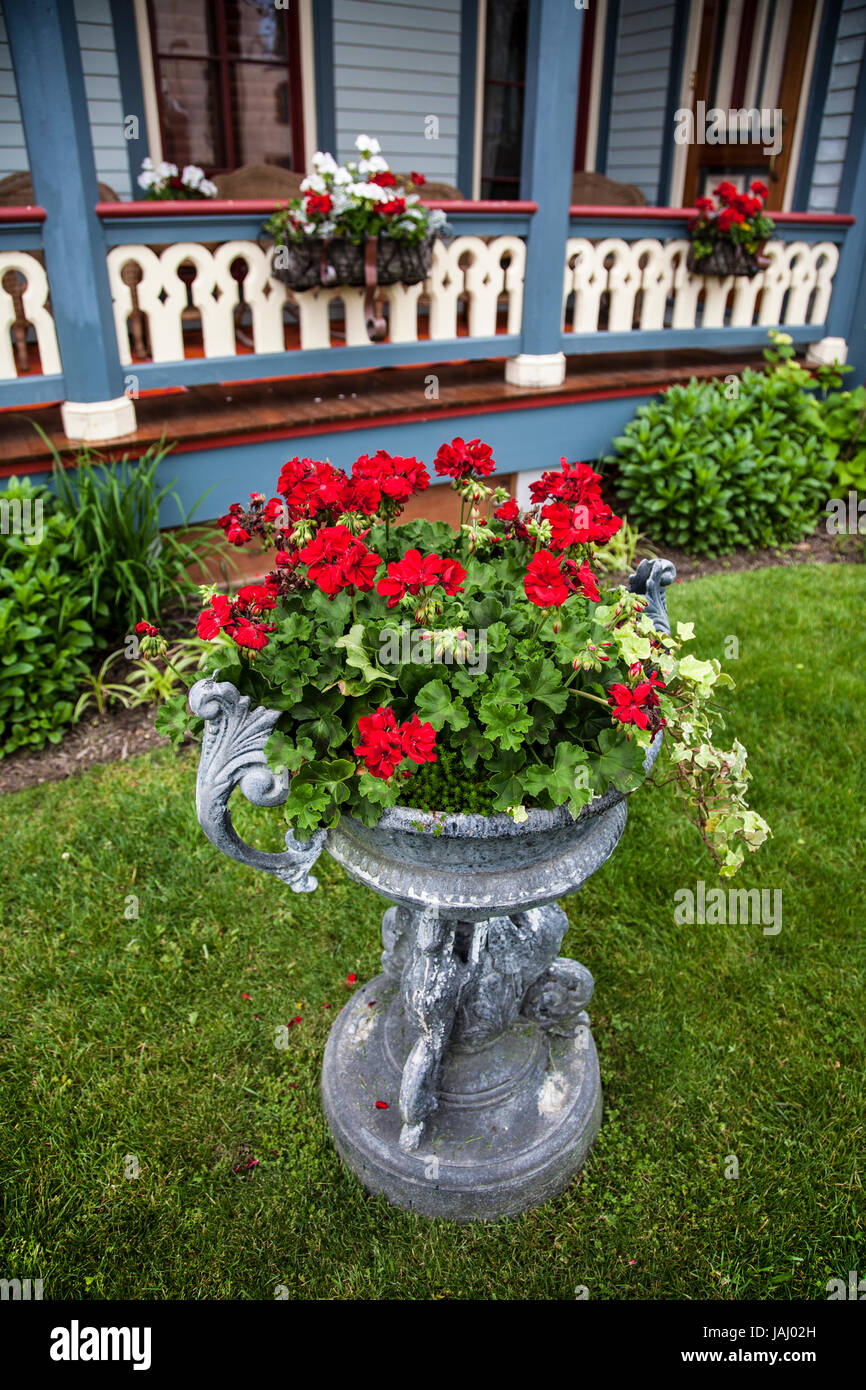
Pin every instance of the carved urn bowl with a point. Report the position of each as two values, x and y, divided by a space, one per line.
476 866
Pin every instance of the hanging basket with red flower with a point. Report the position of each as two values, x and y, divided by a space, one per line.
728 238
355 224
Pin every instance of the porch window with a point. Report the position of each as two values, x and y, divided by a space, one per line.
504 92
228 83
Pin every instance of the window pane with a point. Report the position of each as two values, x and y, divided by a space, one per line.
184 26
260 103
255 29
505 51
501 141
190 109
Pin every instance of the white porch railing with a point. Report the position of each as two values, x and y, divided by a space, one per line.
154 293
629 287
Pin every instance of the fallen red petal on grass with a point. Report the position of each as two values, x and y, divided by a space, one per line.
246 996
381 1105
350 979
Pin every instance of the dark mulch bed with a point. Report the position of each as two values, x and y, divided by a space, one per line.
122 733
119 734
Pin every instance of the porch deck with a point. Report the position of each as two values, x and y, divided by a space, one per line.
217 415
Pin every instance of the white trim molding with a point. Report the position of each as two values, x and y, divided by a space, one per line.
478 133
148 82
308 80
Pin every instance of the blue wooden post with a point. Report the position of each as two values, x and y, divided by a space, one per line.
131 94
323 59
847 317
550 114
43 39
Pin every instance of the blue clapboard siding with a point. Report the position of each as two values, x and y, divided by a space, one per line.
639 126
394 65
102 84
13 151
846 73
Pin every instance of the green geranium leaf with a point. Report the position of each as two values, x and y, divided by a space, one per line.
358 656
434 705
620 761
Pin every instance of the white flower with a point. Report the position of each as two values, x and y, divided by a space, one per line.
369 190
367 146
324 163
313 183
147 162
147 179
209 189
377 164
192 175
342 177
166 171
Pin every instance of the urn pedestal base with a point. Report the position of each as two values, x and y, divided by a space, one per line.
514 1119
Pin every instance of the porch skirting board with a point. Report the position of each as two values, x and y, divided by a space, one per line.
94 422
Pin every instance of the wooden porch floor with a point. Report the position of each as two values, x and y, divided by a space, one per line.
202 417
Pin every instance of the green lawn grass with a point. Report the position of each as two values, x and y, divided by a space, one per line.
132 1036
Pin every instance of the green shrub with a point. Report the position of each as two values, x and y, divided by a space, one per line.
844 414
45 637
715 464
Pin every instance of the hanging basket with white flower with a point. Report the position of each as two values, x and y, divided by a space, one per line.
355 224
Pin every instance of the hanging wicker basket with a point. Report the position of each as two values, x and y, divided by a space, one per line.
337 261
319 261
727 258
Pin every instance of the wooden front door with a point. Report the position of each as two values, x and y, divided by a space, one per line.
749 56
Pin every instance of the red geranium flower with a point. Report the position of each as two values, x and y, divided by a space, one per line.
568 525
381 746
581 580
460 460
728 216
247 635
760 188
418 179
385 179
317 202
336 559
628 704
544 582
393 207
418 740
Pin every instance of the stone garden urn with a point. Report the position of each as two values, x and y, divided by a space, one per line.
462 1082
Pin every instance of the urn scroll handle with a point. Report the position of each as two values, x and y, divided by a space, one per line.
233 755
652 578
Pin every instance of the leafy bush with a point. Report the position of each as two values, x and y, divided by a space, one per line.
44 633
714 465
844 414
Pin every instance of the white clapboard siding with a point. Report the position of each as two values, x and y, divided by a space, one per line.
847 71
637 127
102 84
394 65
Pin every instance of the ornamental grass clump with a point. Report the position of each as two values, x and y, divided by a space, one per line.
488 669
